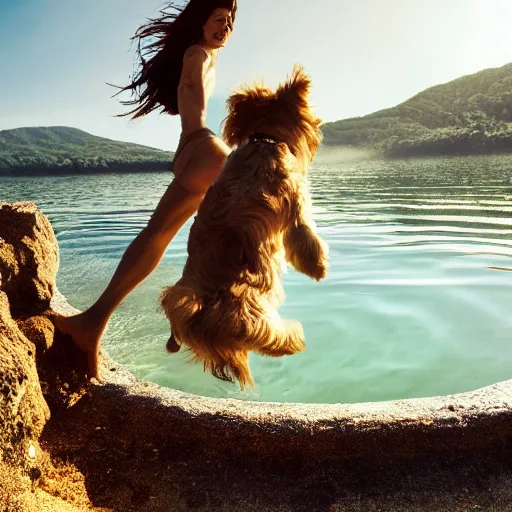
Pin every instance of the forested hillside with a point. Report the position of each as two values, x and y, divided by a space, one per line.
472 114
64 150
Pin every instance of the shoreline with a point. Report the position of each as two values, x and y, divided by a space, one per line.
332 154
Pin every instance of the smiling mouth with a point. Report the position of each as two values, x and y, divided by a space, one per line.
219 37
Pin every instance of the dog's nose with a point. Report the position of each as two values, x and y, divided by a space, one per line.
172 345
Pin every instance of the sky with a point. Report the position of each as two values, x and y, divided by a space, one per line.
56 56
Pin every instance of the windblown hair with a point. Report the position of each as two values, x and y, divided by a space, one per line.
161 45
257 212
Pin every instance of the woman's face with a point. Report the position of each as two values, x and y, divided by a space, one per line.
218 28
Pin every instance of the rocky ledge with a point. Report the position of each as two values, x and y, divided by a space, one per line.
70 445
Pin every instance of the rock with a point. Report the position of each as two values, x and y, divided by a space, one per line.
23 412
29 257
28 348
23 409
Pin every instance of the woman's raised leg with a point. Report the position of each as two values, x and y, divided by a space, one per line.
177 205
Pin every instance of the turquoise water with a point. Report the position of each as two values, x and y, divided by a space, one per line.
417 301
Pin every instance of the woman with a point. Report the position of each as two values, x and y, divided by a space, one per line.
179 77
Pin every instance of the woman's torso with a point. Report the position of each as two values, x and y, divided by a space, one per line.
193 100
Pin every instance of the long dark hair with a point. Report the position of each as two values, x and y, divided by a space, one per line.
161 60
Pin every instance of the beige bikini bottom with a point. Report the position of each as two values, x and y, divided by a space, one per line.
190 141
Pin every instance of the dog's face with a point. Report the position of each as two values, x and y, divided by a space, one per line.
284 115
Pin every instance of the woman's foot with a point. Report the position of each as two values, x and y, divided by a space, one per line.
86 335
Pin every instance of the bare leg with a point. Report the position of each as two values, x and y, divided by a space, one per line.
177 205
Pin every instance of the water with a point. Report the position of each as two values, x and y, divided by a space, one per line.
417 301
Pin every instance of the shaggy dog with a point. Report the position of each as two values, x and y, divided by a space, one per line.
257 211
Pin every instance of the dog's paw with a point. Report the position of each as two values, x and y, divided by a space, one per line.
318 265
319 271
295 339
172 345
307 252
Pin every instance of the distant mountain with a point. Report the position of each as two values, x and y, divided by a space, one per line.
472 114
64 150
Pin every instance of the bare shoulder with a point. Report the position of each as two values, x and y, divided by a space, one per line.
196 52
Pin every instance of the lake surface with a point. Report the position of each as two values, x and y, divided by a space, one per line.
417 302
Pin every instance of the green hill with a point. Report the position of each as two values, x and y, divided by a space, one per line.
472 114
64 150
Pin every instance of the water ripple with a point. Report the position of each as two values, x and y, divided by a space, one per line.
417 301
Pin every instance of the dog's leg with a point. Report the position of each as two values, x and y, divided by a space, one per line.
180 304
288 339
272 336
304 249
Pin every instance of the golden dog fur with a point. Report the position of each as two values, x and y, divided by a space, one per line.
258 211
